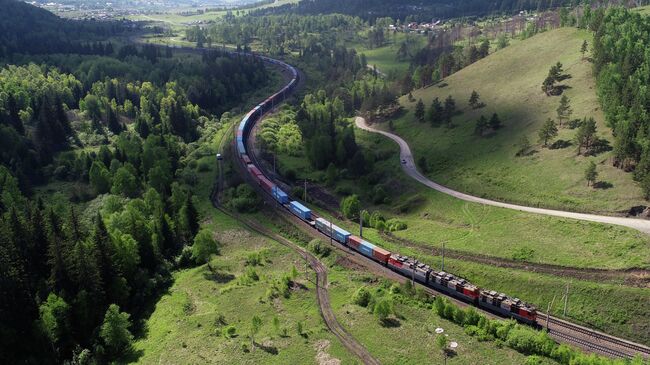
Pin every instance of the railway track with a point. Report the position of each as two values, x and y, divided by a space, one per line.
594 340
561 330
322 294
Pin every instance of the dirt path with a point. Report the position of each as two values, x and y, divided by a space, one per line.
410 169
321 289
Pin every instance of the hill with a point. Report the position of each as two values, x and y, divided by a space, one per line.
509 83
26 29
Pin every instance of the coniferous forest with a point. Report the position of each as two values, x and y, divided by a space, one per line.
112 121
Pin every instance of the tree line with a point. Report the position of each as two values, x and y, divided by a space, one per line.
620 63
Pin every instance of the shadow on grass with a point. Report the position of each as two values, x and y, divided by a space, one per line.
218 277
599 146
132 356
604 185
526 153
391 323
559 144
268 349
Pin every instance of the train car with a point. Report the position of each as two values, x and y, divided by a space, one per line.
246 159
266 184
354 242
254 170
300 210
368 249
454 286
381 255
338 234
409 267
241 148
280 195
510 307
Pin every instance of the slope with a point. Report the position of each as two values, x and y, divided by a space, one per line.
509 83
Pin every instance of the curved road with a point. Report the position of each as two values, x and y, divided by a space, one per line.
410 169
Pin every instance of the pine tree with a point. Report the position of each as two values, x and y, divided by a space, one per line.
449 109
481 124
495 122
112 120
14 115
586 134
564 110
548 131
419 111
591 174
105 253
435 114
548 86
474 99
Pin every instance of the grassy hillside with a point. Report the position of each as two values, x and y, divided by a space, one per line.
509 83
186 327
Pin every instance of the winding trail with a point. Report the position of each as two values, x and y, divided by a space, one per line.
410 169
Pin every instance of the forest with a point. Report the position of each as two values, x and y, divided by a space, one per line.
118 126
622 64
370 10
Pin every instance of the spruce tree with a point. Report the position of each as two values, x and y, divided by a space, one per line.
419 111
564 110
14 116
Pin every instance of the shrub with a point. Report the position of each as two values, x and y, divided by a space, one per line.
362 297
383 309
395 224
350 207
317 247
230 331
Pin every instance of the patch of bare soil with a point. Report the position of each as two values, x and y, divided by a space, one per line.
322 357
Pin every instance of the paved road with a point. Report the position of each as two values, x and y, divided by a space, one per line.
410 168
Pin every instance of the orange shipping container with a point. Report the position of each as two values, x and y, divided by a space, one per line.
355 241
380 254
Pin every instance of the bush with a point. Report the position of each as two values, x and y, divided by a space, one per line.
317 247
350 207
533 360
185 257
383 309
395 224
362 297
230 331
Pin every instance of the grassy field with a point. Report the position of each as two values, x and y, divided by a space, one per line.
187 326
174 18
590 303
509 83
411 339
434 218
385 58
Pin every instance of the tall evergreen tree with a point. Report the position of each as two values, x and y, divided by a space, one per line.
14 116
419 111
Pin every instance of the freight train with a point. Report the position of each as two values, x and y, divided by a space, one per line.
413 269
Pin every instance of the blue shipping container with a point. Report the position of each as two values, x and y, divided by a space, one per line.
300 210
241 148
366 248
280 195
341 235
240 138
